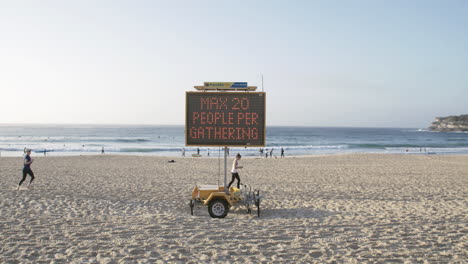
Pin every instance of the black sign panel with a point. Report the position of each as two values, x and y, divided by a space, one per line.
225 119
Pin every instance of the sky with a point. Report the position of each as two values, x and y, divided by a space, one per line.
324 63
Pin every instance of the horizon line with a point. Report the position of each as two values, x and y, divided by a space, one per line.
123 124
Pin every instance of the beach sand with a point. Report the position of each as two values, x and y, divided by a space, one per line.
358 208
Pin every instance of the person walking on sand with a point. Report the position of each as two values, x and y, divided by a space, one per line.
235 172
102 150
282 152
183 152
271 153
198 151
27 168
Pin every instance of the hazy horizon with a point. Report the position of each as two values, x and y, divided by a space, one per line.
325 63
182 125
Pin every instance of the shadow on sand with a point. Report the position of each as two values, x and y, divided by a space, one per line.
289 213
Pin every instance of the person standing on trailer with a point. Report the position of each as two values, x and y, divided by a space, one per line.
235 172
27 168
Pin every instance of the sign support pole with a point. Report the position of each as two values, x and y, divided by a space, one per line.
225 170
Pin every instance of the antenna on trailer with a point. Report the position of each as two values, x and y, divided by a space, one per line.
262 82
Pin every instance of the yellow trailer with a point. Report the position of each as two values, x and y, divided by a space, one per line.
219 202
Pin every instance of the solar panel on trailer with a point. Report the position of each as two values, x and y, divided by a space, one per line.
225 119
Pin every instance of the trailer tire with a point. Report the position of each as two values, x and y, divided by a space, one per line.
218 208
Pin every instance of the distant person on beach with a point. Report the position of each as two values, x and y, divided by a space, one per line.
282 152
271 153
183 152
227 150
27 168
102 150
45 151
198 151
208 152
234 171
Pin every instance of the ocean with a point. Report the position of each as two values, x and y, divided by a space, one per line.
61 140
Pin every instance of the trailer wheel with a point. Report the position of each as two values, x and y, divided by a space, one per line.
192 204
218 208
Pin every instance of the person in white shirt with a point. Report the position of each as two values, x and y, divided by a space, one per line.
235 173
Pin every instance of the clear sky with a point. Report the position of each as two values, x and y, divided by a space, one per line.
325 63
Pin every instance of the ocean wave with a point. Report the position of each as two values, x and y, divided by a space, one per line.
305 147
82 140
367 146
456 139
416 130
138 140
145 150
393 146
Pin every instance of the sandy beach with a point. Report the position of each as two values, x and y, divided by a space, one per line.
365 208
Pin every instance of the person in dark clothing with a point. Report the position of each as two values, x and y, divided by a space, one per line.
234 171
282 152
27 168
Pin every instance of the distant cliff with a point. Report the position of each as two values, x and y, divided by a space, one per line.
450 123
